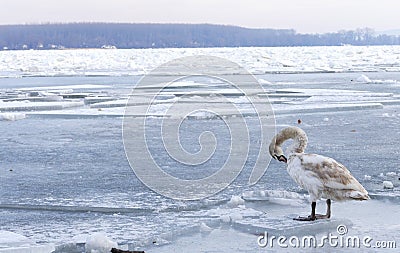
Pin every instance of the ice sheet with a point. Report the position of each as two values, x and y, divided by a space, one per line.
15 243
12 116
38 106
94 62
286 226
285 101
64 174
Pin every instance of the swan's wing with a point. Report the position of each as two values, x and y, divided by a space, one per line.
332 174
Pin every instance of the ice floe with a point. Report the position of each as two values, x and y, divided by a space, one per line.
235 201
287 226
91 62
276 197
99 243
14 243
12 116
92 102
387 185
363 79
38 106
367 177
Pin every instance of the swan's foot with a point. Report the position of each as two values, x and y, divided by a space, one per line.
314 216
302 218
322 216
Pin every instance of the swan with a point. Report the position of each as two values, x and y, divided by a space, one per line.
321 176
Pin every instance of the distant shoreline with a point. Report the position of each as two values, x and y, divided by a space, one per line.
129 36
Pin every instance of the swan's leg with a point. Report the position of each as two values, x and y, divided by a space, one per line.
328 211
328 208
310 217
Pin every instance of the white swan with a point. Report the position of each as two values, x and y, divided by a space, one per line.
321 176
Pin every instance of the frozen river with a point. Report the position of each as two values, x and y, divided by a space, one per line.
64 174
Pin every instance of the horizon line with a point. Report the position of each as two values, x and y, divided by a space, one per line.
179 23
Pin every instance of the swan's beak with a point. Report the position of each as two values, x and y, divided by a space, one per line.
282 158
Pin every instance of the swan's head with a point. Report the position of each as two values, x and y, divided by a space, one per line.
276 151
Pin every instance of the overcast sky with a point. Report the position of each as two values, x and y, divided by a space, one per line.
306 16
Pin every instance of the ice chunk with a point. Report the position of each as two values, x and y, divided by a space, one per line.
98 99
286 226
202 115
268 194
12 239
363 79
391 174
393 177
99 243
367 177
204 228
387 185
66 87
389 81
276 197
12 116
225 218
321 107
37 106
80 239
236 217
227 215
70 248
263 81
14 243
387 115
235 201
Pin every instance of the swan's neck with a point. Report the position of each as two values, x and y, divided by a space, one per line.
299 139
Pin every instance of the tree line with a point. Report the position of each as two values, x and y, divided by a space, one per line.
112 35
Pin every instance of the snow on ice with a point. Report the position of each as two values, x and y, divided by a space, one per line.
99 243
387 185
241 213
140 61
15 243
